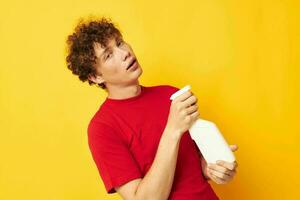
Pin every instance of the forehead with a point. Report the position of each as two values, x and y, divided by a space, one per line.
100 48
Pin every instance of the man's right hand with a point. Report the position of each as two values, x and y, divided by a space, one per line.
183 113
158 181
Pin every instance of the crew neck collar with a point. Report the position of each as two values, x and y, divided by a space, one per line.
130 99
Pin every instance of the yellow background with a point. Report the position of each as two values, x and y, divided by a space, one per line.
240 57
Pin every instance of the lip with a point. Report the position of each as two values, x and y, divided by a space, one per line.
133 60
133 67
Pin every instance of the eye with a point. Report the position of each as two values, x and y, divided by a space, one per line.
120 43
108 56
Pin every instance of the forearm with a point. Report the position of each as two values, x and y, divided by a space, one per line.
158 181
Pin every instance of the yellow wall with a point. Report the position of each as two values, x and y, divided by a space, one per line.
240 57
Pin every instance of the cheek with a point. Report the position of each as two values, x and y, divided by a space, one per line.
131 50
112 69
128 47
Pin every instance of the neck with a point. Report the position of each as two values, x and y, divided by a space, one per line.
124 92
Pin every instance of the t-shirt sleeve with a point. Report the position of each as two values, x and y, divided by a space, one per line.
112 156
172 89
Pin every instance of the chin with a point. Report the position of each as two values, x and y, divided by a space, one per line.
141 71
138 73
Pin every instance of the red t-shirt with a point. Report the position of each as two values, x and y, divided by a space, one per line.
123 138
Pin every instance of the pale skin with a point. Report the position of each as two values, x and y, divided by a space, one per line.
222 172
121 83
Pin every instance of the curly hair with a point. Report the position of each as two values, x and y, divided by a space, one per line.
81 56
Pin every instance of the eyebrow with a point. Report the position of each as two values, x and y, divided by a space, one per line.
104 52
108 48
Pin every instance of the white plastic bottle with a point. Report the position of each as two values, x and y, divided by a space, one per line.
208 137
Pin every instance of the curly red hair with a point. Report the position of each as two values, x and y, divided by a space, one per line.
80 46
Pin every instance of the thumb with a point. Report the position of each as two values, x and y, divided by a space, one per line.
234 147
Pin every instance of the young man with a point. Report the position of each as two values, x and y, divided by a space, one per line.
138 138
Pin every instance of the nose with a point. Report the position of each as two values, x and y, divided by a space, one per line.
125 53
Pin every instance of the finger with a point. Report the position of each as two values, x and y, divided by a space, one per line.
192 109
217 179
213 176
227 165
234 147
221 169
222 176
195 115
189 101
183 96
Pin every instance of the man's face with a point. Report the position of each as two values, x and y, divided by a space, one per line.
116 64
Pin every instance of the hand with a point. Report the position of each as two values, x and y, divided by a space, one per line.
222 172
183 113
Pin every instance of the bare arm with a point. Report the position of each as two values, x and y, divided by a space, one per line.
158 181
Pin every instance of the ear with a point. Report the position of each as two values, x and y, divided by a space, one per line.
96 78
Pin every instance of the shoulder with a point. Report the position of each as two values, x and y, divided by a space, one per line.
168 88
100 123
160 91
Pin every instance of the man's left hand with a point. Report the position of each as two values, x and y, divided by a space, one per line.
222 172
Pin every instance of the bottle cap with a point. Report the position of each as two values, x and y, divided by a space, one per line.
180 92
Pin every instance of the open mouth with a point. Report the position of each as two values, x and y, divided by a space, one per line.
131 64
